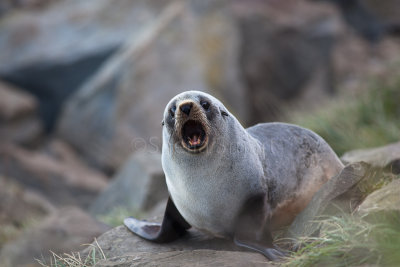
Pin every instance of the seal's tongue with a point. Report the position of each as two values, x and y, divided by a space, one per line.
193 134
194 140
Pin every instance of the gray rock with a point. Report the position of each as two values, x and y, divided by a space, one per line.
195 258
120 246
63 180
387 12
61 232
19 122
52 51
304 224
285 55
381 157
382 204
191 46
139 185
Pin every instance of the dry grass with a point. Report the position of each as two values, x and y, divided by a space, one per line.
75 259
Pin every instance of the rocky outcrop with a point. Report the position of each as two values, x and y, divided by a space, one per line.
19 122
387 157
61 232
63 181
190 46
52 51
304 224
278 43
19 208
383 205
138 186
194 258
121 246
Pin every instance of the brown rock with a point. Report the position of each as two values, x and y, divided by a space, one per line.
18 116
61 232
62 181
386 11
19 207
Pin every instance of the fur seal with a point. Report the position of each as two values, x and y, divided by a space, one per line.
234 182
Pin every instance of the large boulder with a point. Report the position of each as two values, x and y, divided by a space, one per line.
383 204
285 57
19 122
387 157
63 179
138 186
121 246
193 258
191 46
305 223
51 51
19 208
60 232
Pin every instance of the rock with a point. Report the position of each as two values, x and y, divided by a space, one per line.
383 204
122 105
285 56
61 232
387 12
19 207
63 182
41 54
139 185
304 224
198 258
119 244
18 116
381 157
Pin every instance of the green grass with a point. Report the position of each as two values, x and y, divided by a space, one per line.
350 241
368 120
118 214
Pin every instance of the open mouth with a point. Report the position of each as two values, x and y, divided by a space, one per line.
193 135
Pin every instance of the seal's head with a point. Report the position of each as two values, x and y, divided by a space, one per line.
191 121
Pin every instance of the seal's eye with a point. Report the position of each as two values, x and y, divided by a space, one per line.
205 105
224 113
172 111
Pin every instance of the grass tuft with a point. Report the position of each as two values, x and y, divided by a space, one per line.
74 259
350 241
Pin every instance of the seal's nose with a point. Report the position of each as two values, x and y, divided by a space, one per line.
186 107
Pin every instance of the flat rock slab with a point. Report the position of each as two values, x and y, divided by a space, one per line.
381 157
384 202
60 232
198 258
122 248
304 224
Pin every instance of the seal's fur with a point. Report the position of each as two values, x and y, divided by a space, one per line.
241 183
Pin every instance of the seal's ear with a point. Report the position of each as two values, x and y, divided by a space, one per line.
172 227
252 229
162 123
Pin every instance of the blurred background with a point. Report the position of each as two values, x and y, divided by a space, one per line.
83 86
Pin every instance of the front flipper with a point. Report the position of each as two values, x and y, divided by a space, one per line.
252 229
172 227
